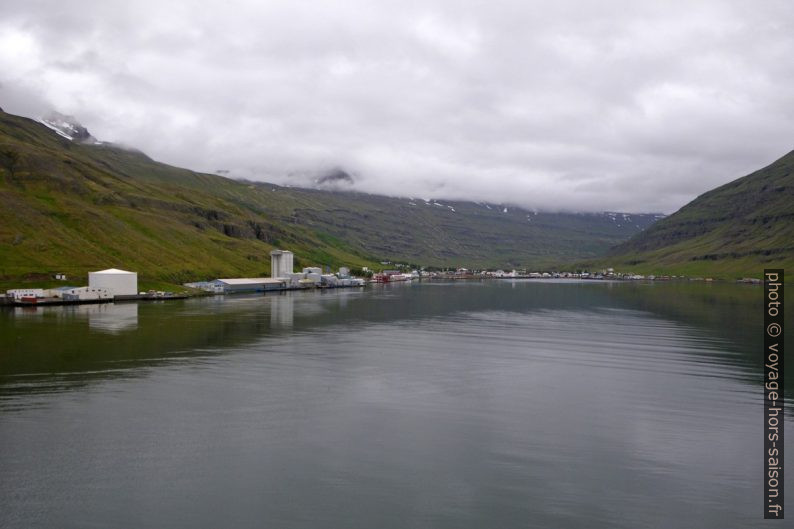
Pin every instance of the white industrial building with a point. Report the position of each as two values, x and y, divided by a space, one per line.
313 274
19 293
118 282
207 286
330 280
248 284
281 263
282 278
85 294
293 280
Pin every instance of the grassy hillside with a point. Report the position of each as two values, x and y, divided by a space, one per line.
735 230
73 207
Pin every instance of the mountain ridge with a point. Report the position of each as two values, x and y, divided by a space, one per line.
72 206
735 229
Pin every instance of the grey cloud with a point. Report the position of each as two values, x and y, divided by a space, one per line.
616 105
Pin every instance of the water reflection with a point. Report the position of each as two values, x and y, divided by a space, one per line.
112 318
91 338
467 405
282 310
104 317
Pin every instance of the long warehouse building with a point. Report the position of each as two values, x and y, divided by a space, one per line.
248 284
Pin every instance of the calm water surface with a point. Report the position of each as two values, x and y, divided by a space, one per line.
487 405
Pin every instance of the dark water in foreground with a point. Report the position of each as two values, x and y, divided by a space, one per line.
487 405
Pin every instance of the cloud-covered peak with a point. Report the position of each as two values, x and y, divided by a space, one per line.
66 126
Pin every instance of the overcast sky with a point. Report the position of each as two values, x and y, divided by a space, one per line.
633 106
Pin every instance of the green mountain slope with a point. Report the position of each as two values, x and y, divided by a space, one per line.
448 233
734 230
73 207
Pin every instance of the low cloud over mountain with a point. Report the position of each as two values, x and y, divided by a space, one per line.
616 105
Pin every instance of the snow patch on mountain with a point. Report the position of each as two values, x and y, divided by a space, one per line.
67 127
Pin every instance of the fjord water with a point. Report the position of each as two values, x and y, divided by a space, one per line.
469 404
